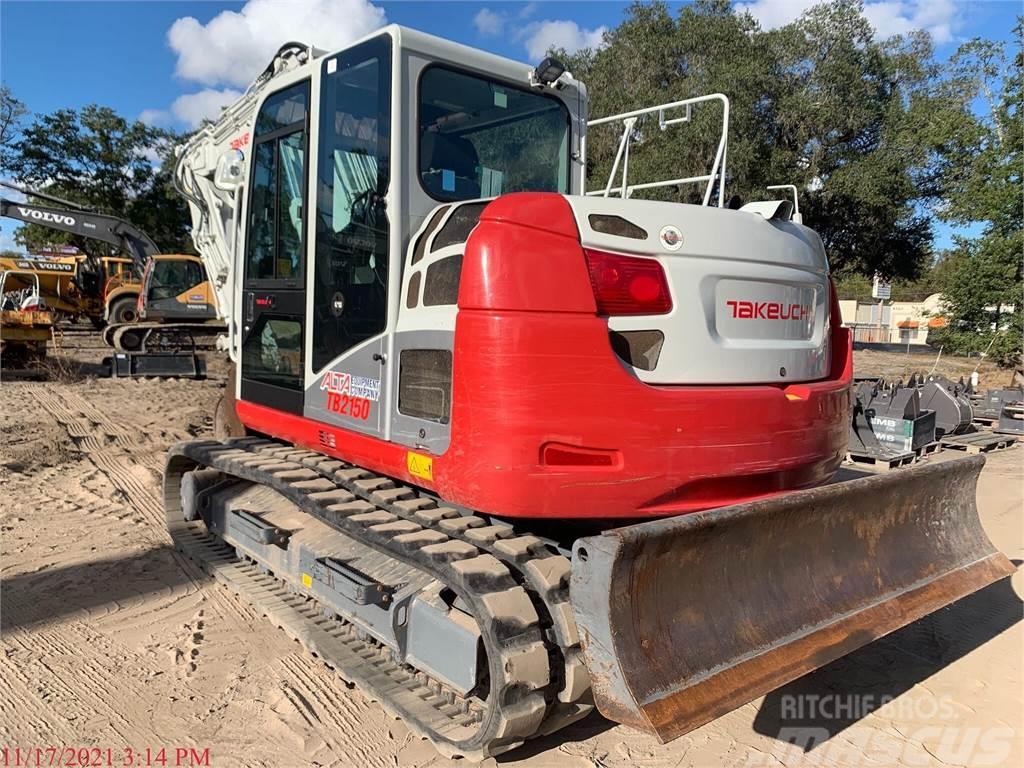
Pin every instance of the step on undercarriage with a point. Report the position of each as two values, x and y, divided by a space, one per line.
461 627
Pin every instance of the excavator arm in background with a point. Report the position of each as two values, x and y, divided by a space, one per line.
78 221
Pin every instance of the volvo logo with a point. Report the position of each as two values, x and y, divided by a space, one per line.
47 216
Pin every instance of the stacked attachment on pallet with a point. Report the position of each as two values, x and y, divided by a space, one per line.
1003 409
889 427
1011 417
182 365
950 400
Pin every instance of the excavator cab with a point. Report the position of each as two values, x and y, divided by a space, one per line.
176 288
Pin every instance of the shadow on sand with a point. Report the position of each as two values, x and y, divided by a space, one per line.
831 699
55 593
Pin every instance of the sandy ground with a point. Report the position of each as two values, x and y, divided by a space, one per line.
111 640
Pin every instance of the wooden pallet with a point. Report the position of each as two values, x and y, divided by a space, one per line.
881 463
927 450
978 442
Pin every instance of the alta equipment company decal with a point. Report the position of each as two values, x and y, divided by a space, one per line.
350 395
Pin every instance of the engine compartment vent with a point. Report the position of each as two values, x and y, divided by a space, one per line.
608 224
462 221
442 283
425 384
421 244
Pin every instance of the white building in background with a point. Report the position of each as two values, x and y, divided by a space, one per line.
893 322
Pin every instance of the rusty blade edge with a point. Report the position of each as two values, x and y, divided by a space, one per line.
677 713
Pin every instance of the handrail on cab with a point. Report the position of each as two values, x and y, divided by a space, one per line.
629 120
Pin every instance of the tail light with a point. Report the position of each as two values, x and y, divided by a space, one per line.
626 285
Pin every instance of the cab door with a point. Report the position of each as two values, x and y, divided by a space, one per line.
351 263
273 287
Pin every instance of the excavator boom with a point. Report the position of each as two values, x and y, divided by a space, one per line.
77 221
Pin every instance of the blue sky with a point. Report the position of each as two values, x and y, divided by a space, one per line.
172 63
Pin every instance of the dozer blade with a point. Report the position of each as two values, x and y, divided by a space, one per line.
685 619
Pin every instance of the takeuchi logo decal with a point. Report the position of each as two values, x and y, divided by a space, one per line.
768 310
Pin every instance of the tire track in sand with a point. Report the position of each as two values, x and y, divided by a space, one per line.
335 714
135 491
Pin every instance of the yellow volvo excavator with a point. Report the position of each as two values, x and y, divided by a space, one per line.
146 300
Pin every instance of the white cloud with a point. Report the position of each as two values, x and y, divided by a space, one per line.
152 156
154 116
488 23
541 36
234 46
888 17
775 13
527 11
937 17
193 108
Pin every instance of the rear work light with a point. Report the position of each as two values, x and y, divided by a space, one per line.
625 285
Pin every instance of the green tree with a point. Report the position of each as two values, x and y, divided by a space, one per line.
12 113
858 124
99 159
982 290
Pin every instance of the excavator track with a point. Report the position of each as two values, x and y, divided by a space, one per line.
162 337
515 585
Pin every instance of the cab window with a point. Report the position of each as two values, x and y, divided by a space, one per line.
172 278
479 137
350 283
276 212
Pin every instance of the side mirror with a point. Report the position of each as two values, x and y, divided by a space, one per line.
230 171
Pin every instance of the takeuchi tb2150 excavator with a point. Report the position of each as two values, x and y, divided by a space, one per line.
503 450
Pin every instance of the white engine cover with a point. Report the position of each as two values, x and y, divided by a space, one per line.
750 296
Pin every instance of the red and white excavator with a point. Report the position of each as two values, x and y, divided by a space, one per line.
503 449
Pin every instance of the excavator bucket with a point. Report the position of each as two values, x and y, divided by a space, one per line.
685 619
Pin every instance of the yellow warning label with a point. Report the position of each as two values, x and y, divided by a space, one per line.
419 465
307 580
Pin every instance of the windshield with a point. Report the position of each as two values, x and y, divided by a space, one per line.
172 278
481 138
